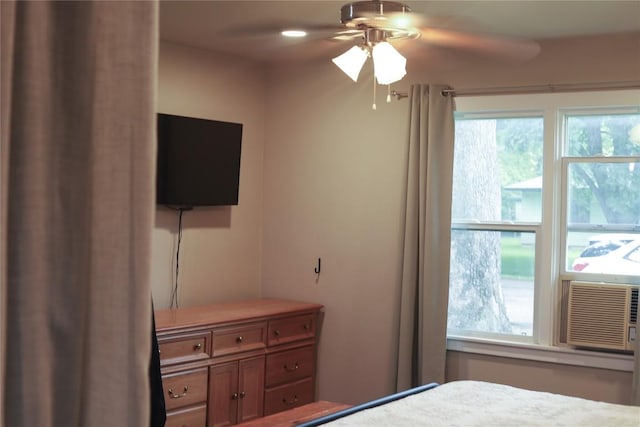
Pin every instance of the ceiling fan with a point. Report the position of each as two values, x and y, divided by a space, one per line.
374 24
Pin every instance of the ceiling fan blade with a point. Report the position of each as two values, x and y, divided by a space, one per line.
309 50
484 44
347 35
275 29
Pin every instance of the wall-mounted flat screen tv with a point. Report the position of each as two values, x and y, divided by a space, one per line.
198 162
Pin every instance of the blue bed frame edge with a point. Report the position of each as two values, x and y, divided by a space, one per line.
367 405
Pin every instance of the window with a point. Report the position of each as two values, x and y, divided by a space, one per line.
496 214
546 188
601 192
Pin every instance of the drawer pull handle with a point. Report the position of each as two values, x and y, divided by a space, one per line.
234 396
295 367
197 346
307 327
242 394
277 332
178 396
239 339
290 402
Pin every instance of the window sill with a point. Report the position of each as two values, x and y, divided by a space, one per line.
541 353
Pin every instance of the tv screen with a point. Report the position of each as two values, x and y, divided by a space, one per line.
198 161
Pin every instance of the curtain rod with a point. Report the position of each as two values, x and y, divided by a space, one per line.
548 88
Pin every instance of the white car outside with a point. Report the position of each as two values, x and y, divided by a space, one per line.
624 260
613 237
600 245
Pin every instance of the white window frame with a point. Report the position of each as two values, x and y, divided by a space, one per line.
524 227
551 232
565 161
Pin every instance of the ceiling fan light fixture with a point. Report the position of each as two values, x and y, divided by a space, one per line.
352 61
389 65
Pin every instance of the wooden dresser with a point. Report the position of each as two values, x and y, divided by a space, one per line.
226 363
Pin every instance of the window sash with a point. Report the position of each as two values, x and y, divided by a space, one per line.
567 227
540 295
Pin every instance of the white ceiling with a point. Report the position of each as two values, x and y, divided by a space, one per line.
251 28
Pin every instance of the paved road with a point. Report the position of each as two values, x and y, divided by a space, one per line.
518 296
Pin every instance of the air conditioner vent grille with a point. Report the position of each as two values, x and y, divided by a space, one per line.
597 315
633 308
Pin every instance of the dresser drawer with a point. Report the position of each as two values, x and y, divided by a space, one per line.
291 365
293 328
195 416
288 396
185 388
184 348
239 338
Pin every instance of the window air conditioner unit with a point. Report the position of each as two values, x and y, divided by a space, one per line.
602 316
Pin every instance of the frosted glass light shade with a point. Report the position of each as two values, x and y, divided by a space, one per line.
389 66
351 61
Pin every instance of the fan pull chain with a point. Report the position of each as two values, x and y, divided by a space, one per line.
373 107
388 94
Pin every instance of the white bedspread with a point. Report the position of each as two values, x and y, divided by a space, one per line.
474 403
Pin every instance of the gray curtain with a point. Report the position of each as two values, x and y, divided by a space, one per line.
78 127
7 10
425 261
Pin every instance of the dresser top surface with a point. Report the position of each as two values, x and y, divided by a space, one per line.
225 312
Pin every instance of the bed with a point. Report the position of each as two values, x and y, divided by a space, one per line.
476 403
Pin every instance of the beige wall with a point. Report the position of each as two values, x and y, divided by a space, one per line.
598 384
322 176
220 248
